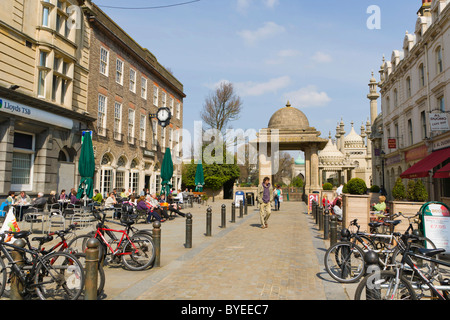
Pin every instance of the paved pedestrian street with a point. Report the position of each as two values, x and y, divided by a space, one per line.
239 262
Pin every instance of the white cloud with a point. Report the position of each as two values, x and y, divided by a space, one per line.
308 97
243 5
282 55
271 3
322 57
257 89
270 29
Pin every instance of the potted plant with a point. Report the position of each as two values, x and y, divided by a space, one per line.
414 196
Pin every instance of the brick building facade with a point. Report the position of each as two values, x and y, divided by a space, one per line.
126 86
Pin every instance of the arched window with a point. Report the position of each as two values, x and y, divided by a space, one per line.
439 62
421 75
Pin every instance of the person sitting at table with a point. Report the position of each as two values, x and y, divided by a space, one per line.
381 206
152 212
173 207
153 204
52 198
337 209
63 195
110 200
179 196
97 198
73 196
23 199
11 198
40 201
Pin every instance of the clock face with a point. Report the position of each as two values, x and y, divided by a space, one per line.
163 114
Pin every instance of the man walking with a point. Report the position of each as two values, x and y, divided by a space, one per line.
265 199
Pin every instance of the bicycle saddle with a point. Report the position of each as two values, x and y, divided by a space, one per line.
430 252
43 239
375 224
393 222
19 234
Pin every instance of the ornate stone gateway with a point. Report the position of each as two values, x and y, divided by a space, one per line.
289 129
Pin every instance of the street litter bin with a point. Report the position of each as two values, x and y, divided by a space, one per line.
239 195
250 198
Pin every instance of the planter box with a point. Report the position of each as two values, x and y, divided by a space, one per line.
408 208
356 207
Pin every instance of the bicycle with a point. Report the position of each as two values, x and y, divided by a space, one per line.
63 246
57 275
393 285
136 252
344 261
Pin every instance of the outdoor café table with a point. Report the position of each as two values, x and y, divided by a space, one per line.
20 209
64 203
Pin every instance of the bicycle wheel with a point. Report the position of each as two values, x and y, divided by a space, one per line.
59 276
344 262
79 245
425 266
101 272
382 286
3 276
141 255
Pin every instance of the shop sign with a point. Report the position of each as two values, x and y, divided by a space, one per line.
392 143
312 197
21 110
441 144
438 122
436 224
416 154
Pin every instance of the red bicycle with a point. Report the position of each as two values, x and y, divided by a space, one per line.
136 252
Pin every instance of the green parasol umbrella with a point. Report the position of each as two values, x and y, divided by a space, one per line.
199 178
86 167
166 173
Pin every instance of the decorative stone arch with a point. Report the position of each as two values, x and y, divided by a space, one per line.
289 129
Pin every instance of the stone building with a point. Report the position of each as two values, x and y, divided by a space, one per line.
44 67
414 87
126 86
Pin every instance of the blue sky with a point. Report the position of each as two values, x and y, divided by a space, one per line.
317 54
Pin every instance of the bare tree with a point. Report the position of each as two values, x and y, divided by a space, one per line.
221 107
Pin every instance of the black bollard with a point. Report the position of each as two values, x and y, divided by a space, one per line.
373 271
91 269
245 208
157 242
188 243
224 216
326 225
241 209
208 221
16 285
333 229
315 211
320 214
233 212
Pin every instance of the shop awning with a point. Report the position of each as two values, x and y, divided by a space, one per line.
422 168
444 172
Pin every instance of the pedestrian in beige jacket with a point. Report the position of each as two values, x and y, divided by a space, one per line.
265 199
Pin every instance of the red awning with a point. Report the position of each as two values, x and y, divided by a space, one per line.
444 172
421 168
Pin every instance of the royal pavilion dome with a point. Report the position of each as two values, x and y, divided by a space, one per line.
330 155
353 140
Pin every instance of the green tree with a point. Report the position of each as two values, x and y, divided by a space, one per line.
297 182
420 192
327 186
398 192
356 186
410 190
